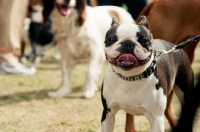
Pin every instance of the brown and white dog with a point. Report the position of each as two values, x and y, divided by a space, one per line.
80 32
138 82
173 21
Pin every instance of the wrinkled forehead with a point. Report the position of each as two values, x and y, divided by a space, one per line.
127 31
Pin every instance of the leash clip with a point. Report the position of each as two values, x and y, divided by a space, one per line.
175 49
164 52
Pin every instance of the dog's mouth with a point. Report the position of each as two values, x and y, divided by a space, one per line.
127 61
64 9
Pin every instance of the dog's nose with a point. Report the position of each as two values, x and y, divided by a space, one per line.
127 45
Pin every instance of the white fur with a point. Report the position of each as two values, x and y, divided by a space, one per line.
37 16
127 31
135 97
77 43
71 3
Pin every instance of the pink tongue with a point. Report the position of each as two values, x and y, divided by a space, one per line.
127 59
64 10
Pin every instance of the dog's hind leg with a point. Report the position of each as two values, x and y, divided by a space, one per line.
188 111
168 112
179 94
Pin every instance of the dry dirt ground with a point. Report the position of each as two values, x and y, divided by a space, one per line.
25 106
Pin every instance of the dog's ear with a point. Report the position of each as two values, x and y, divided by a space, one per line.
48 6
80 6
143 21
114 21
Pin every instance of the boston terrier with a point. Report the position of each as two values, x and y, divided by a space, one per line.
136 80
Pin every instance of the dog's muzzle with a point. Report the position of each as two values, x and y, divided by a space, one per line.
127 58
127 46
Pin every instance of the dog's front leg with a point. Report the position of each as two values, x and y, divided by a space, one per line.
108 115
65 88
107 121
94 69
156 123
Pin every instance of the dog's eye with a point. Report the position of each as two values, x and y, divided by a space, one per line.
112 40
143 40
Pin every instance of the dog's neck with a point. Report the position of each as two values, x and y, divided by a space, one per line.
136 73
144 74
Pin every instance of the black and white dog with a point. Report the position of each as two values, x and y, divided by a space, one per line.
138 82
40 35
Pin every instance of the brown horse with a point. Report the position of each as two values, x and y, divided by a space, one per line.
174 21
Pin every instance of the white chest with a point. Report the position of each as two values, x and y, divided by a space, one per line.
135 97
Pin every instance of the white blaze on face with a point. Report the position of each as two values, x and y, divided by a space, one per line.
127 31
71 3
60 1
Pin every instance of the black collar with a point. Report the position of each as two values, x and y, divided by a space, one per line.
144 74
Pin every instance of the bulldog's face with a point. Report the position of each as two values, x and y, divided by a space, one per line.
128 45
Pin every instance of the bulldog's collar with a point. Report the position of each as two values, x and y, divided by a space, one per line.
144 74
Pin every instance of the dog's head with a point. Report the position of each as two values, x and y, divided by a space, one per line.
35 9
64 8
128 46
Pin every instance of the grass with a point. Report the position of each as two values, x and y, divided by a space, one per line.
25 106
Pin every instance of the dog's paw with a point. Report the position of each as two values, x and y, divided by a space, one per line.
88 91
57 56
59 93
88 94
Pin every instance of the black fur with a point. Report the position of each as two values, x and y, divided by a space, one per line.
48 8
80 6
111 36
41 34
144 38
105 108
